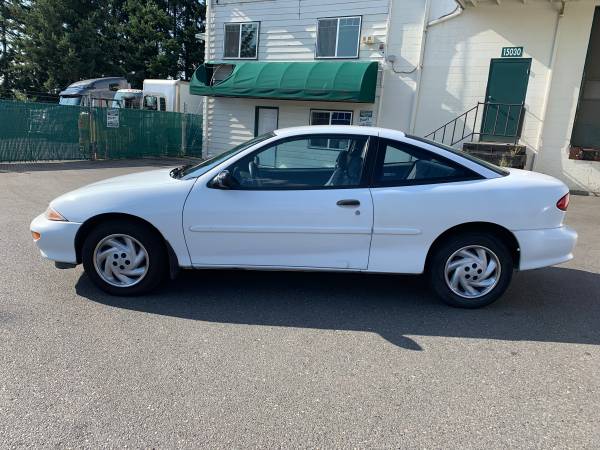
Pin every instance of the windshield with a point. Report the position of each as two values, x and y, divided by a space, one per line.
493 167
74 101
215 160
127 100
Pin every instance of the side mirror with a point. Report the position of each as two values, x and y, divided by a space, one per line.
224 180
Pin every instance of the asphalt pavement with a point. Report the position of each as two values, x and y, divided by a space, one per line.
226 359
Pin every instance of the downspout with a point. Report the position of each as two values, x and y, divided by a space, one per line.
560 14
426 25
207 37
387 40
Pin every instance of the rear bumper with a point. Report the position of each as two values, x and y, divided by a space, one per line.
547 247
57 241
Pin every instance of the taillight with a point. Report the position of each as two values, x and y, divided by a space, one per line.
563 203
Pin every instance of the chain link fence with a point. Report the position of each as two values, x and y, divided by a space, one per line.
44 131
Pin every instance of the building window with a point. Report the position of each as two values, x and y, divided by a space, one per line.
338 37
241 40
321 117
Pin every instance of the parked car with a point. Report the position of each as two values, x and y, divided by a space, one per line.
332 198
93 92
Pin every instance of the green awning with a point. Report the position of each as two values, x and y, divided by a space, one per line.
332 81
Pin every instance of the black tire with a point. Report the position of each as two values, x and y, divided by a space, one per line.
441 255
152 242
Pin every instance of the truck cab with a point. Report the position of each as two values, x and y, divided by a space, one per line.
128 98
92 92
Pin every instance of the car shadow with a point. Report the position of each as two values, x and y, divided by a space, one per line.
547 305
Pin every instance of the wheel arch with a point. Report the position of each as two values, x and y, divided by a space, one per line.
92 222
505 235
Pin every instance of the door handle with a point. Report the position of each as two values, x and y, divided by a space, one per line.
348 202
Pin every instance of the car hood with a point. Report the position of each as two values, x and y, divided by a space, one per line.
138 179
127 193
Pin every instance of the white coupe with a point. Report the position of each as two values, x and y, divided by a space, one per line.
331 198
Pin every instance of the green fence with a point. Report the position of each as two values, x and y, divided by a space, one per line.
43 131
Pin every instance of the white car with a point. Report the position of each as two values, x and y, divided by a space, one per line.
333 198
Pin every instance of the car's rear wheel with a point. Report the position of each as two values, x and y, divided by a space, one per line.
124 258
471 270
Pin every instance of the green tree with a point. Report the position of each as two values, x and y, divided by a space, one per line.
149 50
65 41
11 28
62 41
188 20
159 38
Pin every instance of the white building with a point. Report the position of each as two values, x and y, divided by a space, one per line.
436 59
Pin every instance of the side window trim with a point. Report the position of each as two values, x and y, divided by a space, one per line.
380 156
366 175
337 36
240 25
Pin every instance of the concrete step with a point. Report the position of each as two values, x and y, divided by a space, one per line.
499 153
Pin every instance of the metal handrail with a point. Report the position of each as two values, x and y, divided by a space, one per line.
483 125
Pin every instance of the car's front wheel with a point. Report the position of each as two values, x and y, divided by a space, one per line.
471 270
124 258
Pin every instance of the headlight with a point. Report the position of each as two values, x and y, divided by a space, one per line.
51 214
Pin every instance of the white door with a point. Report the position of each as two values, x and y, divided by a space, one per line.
301 202
267 119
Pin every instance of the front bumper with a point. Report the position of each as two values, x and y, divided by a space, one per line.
546 247
57 241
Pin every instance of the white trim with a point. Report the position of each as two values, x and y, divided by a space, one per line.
330 111
337 37
279 229
239 53
396 231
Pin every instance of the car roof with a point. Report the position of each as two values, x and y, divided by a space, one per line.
341 129
393 135
165 82
94 80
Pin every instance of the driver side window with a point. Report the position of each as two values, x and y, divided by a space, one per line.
296 163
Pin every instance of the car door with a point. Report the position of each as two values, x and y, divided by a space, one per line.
417 195
300 202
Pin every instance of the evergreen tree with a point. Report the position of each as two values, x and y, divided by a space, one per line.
149 49
160 38
11 28
189 20
65 41
62 41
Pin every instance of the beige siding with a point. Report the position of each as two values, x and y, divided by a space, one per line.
233 118
458 55
456 65
453 76
287 33
288 27
553 156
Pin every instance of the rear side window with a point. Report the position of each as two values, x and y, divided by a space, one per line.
401 164
481 162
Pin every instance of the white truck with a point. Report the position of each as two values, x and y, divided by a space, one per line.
160 95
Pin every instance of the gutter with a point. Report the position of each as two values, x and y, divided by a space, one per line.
560 15
205 119
426 25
